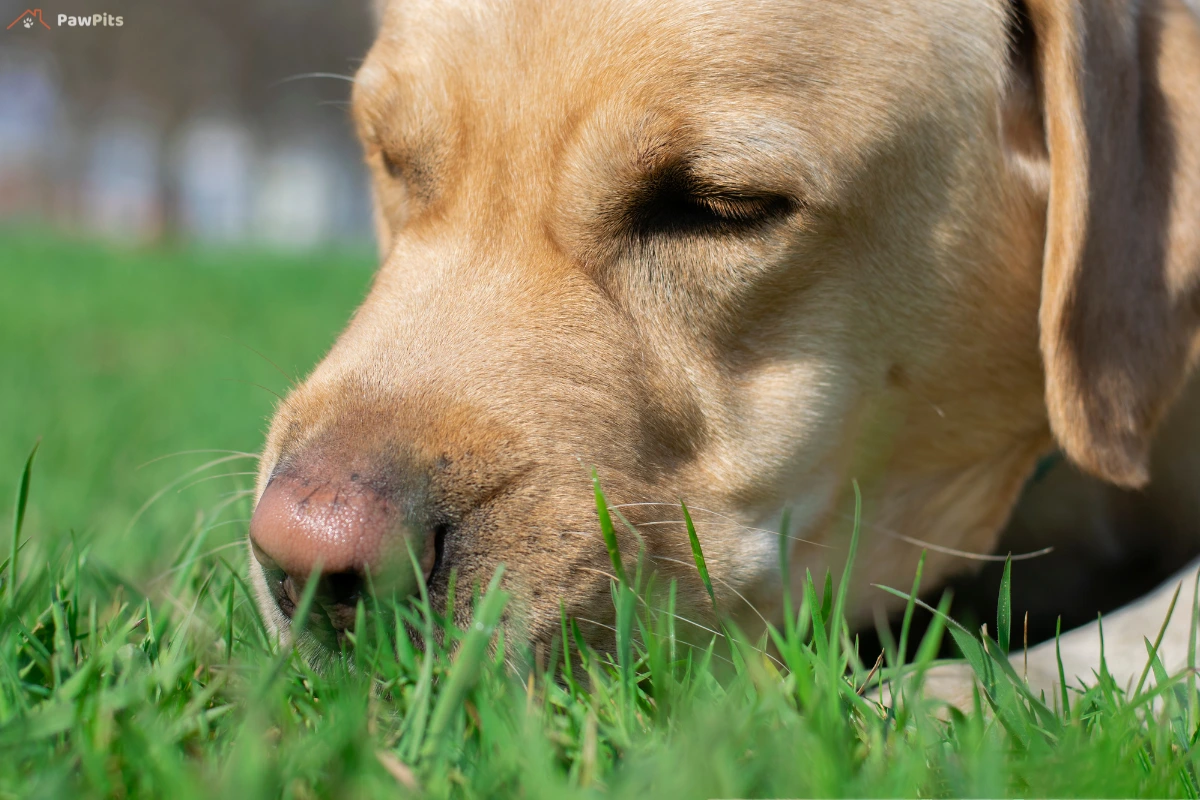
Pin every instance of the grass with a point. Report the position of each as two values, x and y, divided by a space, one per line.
132 662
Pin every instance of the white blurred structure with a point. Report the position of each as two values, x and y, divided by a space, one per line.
294 200
122 189
131 158
29 110
214 165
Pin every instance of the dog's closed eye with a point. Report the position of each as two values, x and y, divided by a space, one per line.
391 164
404 167
674 203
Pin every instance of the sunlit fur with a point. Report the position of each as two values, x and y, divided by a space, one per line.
523 329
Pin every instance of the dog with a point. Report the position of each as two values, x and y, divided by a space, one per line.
762 258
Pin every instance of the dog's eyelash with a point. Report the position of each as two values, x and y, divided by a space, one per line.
742 208
674 206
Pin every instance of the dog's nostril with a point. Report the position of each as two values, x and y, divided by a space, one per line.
334 602
341 589
285 591
435 547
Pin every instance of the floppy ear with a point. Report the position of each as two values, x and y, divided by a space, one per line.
1116 84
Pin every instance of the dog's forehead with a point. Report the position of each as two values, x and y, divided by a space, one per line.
859 52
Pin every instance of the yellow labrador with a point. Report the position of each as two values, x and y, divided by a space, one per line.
743 255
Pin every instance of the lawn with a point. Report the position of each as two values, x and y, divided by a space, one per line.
132 662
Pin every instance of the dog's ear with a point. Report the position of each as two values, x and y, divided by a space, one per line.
1111 132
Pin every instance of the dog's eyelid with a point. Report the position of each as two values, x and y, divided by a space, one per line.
400 164
686 180
738 198
392 164
676 201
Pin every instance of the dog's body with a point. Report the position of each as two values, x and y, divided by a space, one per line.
748 256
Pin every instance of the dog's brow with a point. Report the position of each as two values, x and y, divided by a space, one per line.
741 169
405 130
384 103
373 79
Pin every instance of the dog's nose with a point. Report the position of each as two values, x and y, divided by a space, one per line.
351 536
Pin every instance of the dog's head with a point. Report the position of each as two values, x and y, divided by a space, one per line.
740 255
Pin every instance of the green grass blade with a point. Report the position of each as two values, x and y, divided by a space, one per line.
910 606
18 523
300 619
607 530
568 670
820 630
785 570
468 663
1191 654
837 617
1004 608
1062 676
1158 641
932 641
698 554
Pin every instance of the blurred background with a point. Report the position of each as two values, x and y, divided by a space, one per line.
184 227
206 120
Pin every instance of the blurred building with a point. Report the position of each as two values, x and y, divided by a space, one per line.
205 120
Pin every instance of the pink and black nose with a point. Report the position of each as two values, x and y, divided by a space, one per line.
351 532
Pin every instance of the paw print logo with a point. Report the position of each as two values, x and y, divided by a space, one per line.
28 18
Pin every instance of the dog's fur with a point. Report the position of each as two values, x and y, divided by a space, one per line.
748 254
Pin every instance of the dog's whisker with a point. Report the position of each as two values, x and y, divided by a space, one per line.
240 453
684 642
212 478
716 578
608 575
224 504
206 554
682 563
641 600
213 515
256 385
676 504
735 524
196 471
726 517
951 551
691 621
291 381
594 622
719 580
240 493
314 75
245 521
